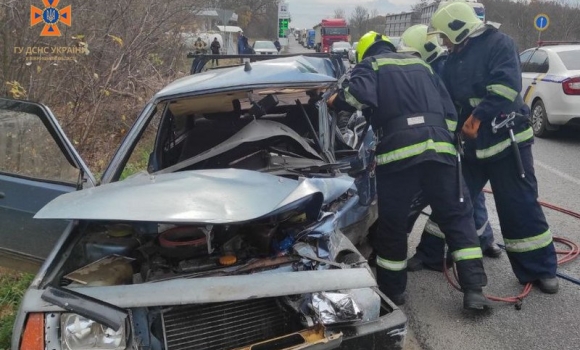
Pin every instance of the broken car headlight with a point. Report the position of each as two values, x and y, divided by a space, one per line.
81 333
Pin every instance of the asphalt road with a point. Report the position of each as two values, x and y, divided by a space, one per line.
436 318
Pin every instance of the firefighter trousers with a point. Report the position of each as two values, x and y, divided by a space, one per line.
431 248
524 228
396 191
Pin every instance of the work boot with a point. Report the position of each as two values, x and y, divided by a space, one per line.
415 264
548 285
493 251
398 299
475 300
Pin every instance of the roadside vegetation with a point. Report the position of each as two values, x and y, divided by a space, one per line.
97 76
12 288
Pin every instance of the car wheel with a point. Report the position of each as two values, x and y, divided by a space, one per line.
348 258
540 120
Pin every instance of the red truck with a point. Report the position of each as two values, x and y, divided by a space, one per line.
330 31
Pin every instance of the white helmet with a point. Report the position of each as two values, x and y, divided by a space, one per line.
416 40
456 20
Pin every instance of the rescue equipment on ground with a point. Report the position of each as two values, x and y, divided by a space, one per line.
568 255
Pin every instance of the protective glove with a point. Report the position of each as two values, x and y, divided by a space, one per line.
330 101
471 127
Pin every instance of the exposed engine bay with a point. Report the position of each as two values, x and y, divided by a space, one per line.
114 254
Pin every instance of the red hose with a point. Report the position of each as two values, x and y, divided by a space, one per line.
568 255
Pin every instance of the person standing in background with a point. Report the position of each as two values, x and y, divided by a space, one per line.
215 50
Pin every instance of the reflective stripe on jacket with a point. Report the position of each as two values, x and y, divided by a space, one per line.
410 109
484 79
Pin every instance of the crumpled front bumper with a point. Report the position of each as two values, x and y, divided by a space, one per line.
386 333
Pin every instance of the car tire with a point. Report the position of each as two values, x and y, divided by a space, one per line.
348 258
540 124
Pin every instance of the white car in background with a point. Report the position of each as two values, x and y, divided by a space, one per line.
265 48
352 53
340 48
551 86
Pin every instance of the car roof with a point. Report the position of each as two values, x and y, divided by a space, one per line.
286 71
560 48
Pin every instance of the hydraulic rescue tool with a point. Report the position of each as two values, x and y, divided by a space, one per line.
460 166
508 122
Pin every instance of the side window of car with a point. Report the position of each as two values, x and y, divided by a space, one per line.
139 159
524 60
27 149
538 63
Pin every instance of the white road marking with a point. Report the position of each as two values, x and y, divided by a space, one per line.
557 172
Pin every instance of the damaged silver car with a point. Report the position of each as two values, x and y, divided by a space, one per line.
232 216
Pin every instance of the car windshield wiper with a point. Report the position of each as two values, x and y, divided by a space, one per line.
97 310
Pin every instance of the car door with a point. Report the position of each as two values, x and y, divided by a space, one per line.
527 76
37 164
533 71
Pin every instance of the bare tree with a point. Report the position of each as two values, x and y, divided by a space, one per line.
113 58
339 13
517 19
419 5
377 22
358 21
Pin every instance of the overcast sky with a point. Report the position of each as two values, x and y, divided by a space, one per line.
306 13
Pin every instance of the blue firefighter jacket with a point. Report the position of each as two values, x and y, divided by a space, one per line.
410 109
483 77
438 64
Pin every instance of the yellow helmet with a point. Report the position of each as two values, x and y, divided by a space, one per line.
457 20
367 41
416 40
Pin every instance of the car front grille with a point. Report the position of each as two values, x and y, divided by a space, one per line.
223 326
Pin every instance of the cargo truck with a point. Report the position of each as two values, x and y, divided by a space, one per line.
329 31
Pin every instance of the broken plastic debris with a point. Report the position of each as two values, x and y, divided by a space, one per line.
333 308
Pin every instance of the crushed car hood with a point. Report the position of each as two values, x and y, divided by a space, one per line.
195 197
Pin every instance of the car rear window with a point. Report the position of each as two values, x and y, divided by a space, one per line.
341 45
264 45
571 59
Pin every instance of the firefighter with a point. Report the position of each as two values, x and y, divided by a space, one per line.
483 77
430 250
415 40
407 107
